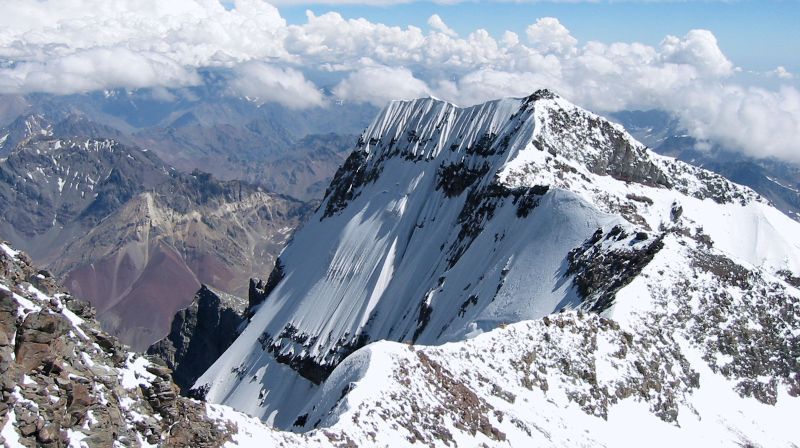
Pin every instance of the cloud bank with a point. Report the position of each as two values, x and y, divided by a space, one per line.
71 46
267 83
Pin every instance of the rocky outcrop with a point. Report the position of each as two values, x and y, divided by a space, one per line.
200 334
37 343
259 290
256 293
607 262
67 383
776 180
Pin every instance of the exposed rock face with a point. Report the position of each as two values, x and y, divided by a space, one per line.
605 263
255 293
37 341
67 383
776 180
200 334
624 160
259 290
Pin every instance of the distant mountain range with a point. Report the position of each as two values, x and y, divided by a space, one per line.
288 151
135 201
133 235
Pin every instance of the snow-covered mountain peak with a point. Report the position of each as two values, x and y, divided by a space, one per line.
539 140
447 222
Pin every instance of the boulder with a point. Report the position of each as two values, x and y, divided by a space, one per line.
37 339
78 401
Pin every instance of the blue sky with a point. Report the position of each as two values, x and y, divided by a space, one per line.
756 35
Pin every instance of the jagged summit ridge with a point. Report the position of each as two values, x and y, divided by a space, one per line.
541 139
446 222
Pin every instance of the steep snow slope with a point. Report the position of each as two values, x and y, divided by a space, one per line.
446 222
574 379
711 362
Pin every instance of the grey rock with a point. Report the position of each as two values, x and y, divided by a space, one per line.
82 308
200 334
8 314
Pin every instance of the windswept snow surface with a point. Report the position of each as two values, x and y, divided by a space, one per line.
446 223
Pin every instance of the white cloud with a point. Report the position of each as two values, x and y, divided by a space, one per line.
549 35
437 24
698 49
329 40
65 46
267 83
754 120
191 32
487 84
380 84
95 69
349 2
510 38
782 73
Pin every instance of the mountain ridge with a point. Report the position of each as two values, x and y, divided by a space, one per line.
445 223
553 284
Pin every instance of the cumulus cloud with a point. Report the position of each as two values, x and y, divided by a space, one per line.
266 83
754 120
380 84
510 38
437 24
782 73
66 46
698 49
486 84
549 35
191 32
